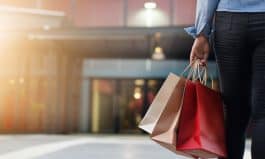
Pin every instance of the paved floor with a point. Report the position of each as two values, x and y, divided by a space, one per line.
83 147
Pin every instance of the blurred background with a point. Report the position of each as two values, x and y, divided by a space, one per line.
88 66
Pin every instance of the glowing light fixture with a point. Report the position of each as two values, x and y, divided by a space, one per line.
150 5
137 93
158 53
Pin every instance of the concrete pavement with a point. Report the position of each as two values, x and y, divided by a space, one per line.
83 147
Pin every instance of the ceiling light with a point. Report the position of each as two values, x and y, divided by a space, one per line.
150 5
158 53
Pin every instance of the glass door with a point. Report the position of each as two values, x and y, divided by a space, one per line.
118 105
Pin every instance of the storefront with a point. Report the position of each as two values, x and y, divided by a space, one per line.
116 93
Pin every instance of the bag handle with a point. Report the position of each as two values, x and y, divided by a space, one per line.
192 67
197 72
194 71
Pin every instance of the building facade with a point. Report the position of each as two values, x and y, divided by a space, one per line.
70 66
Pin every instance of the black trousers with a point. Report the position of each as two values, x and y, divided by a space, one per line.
239 44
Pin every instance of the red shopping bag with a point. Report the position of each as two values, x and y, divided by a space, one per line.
201 124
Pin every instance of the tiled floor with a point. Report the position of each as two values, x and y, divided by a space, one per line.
83 147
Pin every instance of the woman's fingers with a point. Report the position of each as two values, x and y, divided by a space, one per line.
200 50
202 61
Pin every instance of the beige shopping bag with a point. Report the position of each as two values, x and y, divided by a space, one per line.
166 96
161 119
165 130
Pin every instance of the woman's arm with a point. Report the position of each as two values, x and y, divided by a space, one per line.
205 10
202 29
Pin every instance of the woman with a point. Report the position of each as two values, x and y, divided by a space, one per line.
239 44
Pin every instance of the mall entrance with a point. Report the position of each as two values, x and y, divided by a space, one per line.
116 93
117 105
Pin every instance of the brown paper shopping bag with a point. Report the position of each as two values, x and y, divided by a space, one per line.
165 96
165 130
161 119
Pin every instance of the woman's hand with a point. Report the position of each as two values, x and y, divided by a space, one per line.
200 50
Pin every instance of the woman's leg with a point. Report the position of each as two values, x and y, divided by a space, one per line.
234 65
258 116
257 34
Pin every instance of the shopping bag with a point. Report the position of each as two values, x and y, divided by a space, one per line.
168 97
161 119
164 132
201 124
